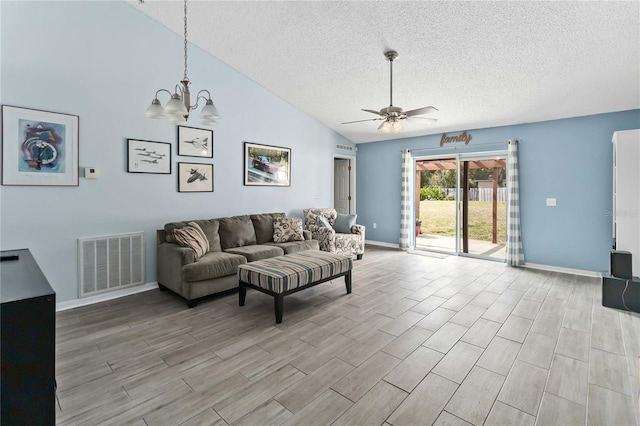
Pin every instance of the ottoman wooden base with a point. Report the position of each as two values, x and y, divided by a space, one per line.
284 275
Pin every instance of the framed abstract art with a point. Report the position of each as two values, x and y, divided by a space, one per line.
39 148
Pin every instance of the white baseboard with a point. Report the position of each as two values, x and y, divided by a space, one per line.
382 244
563 270
85 301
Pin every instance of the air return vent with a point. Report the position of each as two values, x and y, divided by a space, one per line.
345 147
110 263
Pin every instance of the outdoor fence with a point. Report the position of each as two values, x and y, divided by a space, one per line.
477 194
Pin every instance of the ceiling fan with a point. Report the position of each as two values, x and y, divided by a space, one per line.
392 115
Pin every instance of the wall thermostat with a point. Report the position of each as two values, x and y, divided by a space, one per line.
91 173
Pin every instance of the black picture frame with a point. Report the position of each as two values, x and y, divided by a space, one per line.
195 142
266 165
195 177
148 157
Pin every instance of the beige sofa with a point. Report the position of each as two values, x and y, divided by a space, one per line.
351 244
233 241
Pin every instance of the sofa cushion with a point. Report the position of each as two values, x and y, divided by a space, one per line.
287 229
263 226
170 227
212 265
236 231
193 237
296 246
257 252
344 222
211 230
209 227
322 222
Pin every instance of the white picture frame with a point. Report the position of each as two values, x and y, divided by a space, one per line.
39 148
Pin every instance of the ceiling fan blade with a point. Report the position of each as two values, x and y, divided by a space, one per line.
432 120
360 121
420 111
380 126
375 112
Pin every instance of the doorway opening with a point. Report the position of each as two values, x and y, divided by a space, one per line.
460 205
344 187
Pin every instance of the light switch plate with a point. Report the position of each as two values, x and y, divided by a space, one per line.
551 202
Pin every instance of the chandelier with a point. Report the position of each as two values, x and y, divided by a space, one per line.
179 106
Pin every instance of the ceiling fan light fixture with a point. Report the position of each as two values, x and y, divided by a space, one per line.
391 125
392 115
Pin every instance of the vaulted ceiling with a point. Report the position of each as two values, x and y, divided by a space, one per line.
482 64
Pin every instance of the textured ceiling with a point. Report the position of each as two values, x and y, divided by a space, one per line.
482 64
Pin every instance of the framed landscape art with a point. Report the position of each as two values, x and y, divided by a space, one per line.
193 142
39 148
195 177
148 157
266 165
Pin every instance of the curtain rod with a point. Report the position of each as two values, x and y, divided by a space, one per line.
456 147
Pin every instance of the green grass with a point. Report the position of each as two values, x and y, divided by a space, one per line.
439 218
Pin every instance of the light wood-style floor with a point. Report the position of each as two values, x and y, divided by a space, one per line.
421 340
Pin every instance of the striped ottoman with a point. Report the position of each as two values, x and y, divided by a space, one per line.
283 275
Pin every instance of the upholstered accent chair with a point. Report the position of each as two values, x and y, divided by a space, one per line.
348 244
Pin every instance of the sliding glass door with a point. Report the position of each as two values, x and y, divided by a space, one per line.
483 224
436 206
461 204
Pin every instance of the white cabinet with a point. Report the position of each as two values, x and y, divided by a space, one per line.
626 193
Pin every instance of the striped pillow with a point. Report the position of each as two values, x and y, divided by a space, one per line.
192 236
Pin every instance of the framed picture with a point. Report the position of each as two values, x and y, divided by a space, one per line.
193 142
266 165
39 147
148 157
195 177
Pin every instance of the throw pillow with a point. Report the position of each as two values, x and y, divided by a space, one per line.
263 225
344 222
193 237
236 231
287 229
323 222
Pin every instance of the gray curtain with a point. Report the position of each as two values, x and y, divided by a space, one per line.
405 201
515 255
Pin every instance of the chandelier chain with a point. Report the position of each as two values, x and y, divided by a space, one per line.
185 39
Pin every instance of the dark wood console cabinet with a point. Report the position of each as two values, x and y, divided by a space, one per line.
27 345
